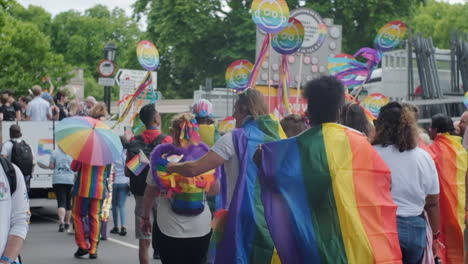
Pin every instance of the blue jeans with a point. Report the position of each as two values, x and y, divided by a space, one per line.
119 198
412 236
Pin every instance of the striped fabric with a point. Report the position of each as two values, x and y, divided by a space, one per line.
327 199
85 212
451 162
245 236
91 181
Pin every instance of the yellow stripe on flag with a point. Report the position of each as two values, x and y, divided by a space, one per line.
340 162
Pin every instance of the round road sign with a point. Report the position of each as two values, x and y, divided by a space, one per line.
106 68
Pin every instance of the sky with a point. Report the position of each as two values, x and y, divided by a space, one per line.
57 6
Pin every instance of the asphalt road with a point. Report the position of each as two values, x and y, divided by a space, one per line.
45 245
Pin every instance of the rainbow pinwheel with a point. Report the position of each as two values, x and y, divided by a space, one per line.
88 140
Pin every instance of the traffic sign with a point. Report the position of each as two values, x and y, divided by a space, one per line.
106 68
106 81
136 76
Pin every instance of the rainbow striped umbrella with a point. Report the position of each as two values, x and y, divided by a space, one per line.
88 140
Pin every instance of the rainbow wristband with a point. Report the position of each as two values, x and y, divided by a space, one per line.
9 260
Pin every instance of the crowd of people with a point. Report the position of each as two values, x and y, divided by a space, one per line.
43 106
331 186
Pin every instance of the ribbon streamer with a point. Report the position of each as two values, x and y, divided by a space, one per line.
283 88
143 85
261 58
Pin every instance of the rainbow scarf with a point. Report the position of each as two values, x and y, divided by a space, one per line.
327 199
208 134
245 236
451 163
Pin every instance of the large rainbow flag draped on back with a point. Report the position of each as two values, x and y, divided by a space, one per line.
327 199
451 162
245 236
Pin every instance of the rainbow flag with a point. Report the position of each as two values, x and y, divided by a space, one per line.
327 199
245 236
451 163
45 146
138 163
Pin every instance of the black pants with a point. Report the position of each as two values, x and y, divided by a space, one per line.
182 250
64 195
154 241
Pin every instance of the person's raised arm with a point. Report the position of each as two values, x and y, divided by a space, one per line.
209 161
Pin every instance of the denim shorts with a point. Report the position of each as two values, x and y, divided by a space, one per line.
412 235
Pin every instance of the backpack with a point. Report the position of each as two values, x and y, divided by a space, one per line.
22 156
138 182
186 195
10 173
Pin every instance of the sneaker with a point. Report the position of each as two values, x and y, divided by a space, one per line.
61 228
156 255
123 231
114 230
80 252
93 255
67 227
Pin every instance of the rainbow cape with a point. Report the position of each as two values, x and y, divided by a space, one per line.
451 163
327 199
208 134
245 236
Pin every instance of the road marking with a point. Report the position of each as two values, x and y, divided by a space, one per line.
122 243
109 238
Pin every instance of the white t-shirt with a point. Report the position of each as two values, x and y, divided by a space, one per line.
7 148
224 147
13 209
38 109
414 177
179 226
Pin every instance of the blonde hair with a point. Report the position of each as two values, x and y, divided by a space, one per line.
98 111
36 90
181 122
73 107
253 103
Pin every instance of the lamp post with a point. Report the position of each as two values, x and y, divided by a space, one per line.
110 51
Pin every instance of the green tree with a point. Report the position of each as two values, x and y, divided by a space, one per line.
81 39
26 57
361 19
198 39
438 19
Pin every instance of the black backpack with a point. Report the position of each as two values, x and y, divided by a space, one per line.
22 156
10 173
138 182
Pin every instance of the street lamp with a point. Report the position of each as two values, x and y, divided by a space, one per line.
110 51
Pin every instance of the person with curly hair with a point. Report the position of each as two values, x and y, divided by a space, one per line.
415 184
